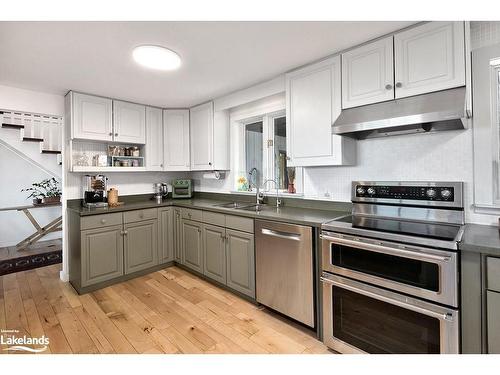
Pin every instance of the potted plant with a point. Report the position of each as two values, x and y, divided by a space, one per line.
46 191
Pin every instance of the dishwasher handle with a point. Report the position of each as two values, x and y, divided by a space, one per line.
283 235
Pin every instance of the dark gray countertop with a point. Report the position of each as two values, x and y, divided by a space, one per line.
481 239
295 215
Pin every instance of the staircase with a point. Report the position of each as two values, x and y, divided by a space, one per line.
33 133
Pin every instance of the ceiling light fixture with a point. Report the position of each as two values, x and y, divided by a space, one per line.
156 57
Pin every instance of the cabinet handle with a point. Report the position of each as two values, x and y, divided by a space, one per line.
388 87
399 85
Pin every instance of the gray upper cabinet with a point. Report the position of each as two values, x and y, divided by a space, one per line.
367 74
493 321
214 257
129 122
141 245
192 245
154 139
240 254
166 235
91 117
178 250
102 254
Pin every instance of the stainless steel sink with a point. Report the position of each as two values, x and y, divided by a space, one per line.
237 205
254 207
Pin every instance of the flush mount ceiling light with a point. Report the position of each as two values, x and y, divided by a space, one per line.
156 57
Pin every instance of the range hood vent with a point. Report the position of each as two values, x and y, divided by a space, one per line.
437 111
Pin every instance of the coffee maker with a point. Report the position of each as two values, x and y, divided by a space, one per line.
160 191
96 188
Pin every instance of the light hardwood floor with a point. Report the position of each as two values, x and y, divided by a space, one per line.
169 311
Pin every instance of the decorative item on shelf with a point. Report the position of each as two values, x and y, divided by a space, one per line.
242 183
81 160
113 150
44 192
101 160
134 151
135 163
291 180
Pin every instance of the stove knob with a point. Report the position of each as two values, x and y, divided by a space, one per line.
446 193
360 190
431 193
371 191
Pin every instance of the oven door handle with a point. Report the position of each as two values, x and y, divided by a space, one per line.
417 255
360 290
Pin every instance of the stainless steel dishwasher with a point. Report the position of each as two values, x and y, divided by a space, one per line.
284 269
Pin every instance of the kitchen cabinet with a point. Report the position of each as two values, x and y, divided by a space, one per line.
368 74
91 117
178 236
202 133
240 262
493 321
192 245
176 140
313 103
129 122
166 235
101 254
154 139
429 58
140 245
214 252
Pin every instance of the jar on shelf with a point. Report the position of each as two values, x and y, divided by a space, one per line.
134 151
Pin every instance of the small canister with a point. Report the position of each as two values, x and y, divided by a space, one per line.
112 197
135 151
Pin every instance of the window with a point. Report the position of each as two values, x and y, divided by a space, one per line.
262 159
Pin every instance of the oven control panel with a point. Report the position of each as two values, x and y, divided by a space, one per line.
422 193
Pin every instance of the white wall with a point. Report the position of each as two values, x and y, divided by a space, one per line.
31 101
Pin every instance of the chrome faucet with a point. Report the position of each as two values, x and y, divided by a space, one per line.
259 196
278 200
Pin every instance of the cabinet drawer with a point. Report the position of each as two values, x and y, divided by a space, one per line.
239 223
98 221
214 218
493 273
190 214
140 215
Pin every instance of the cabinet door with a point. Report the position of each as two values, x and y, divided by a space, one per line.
313 104
367 74
493 319
102 254
240 254
214 252
192 245
141 245
178 248
166 235
92 117
154 139
176 140
202 134
129 122
429 58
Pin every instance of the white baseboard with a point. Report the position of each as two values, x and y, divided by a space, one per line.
64 276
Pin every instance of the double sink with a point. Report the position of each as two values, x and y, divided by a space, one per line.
245 206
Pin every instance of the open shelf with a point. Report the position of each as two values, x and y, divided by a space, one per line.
77 168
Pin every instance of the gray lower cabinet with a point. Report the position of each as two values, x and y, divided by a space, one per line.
493 321
178 236
166 235
214 252
102 254
192 245
141 245
240 255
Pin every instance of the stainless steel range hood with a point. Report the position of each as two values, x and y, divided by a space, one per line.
442 110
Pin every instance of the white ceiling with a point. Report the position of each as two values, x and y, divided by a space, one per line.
218 57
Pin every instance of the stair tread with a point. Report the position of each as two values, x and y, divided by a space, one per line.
12 126
51 152
29 139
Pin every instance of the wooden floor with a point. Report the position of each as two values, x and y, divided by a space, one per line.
169 311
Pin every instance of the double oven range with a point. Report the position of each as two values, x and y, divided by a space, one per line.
389 277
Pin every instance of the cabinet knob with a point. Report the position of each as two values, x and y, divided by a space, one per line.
110 133
209 163
399 84
141 215
116 134
103 221
388 87
125 232
288 158
161 165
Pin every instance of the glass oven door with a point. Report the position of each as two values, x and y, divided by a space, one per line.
422 272
359 318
